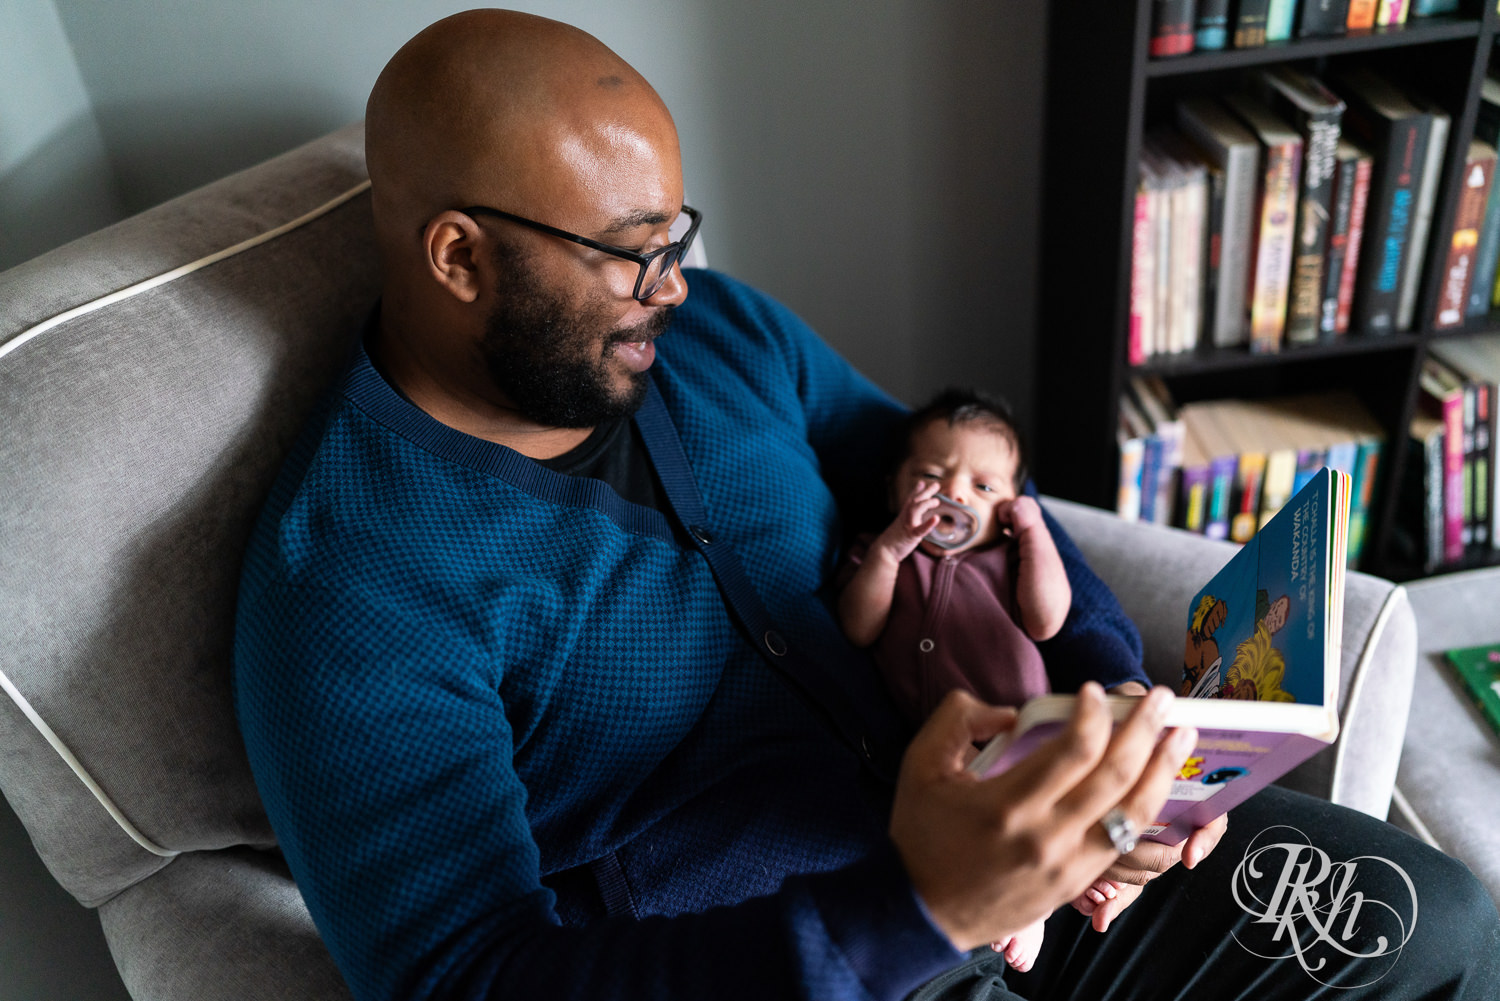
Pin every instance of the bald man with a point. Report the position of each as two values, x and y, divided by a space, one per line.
533 661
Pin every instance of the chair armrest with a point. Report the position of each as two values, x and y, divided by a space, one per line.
1156 571
220 926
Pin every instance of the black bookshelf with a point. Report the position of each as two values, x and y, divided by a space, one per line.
1103 92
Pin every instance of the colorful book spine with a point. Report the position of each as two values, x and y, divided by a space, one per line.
1128 501
1435 480
1279 20
1154 402
1151 464
1160 180
1270 281
1273 262
1222 470
1358 211
1487 256
1362 13
1248 482
1316 114
1367 466
1419 524
1415 257
1427 8
1276 482
1213 255
1193 503
1172 25
1250 23
1142 277
1444 398
1338 240
1228 144
1396 132
1310 459
1459 269
1391 12
1189 217
1482 460
1212 28
1471 401
1322 18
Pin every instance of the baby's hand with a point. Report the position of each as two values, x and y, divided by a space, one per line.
918 517
1024 514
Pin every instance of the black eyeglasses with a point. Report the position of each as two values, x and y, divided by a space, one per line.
655 266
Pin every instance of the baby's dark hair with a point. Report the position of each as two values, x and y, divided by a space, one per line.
963 405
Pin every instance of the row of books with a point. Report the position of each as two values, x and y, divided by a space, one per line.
1292 212
1447 507
1223 468
1182 26
1480 222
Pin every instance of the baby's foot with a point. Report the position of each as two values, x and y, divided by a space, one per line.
1021 949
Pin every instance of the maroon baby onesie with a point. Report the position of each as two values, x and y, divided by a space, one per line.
954 623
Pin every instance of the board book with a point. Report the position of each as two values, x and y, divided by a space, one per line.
1260 666
1478 667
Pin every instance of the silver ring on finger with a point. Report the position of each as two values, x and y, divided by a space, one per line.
1122 833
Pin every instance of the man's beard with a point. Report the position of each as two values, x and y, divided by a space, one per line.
555 363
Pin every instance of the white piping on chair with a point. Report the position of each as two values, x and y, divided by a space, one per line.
186 269
1410 815
78 769
1357 687
88 307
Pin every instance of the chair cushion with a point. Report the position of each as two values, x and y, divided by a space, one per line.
141 434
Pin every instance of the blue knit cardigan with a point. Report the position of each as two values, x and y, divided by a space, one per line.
518 741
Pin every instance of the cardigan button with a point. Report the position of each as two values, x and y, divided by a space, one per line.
775 643
926 645
702 534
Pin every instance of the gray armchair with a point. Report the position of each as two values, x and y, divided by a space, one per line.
151 376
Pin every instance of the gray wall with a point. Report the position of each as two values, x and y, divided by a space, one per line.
873 163
56 181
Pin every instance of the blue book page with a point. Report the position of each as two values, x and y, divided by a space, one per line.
1256 631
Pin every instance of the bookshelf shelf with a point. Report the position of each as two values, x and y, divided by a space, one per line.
1429 31
1206 359
1104 94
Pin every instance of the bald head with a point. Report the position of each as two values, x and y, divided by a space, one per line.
516 111
492 326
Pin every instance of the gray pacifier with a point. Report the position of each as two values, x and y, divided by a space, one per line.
957 524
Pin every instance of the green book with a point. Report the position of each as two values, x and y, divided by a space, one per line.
1478 668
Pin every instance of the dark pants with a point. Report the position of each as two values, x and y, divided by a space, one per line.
1358 931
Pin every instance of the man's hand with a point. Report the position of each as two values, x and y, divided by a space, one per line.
988 857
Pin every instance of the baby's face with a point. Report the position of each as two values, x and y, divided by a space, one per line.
973 463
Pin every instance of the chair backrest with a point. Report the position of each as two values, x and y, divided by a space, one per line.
152 376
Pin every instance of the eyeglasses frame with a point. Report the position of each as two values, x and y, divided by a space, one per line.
644 260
